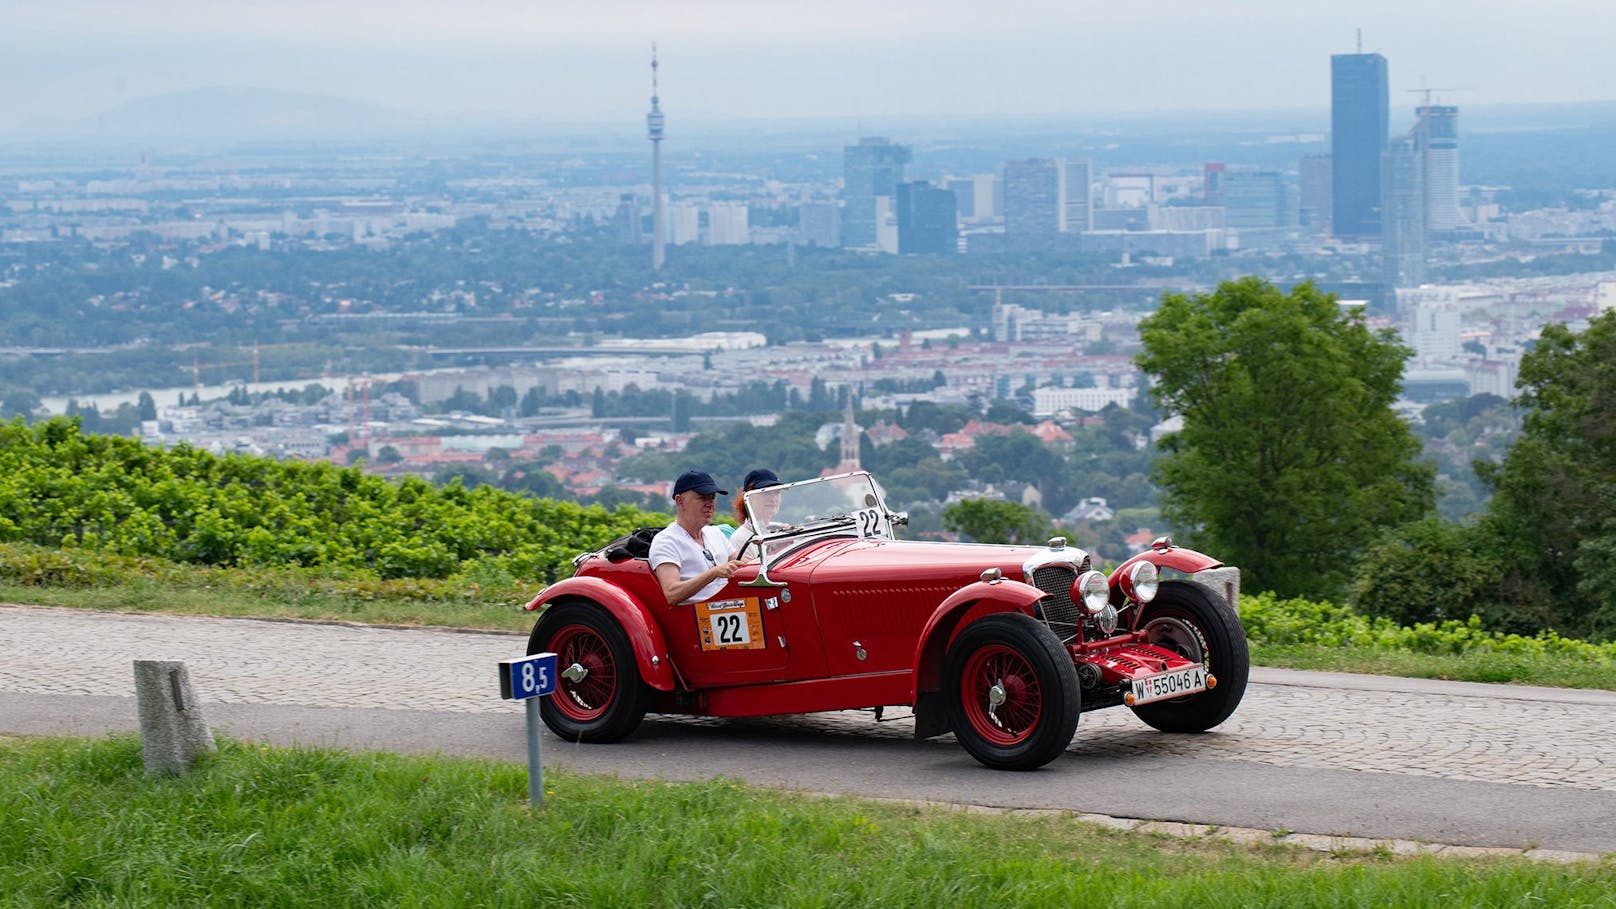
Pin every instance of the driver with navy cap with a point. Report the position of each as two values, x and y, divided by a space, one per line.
685 554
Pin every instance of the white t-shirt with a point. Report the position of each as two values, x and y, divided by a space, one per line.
673 545
739 539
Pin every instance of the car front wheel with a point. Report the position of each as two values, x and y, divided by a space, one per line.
1198 626
599 696
1012 692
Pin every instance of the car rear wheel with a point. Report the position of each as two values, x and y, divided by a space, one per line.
1198 626
1012 692
599 696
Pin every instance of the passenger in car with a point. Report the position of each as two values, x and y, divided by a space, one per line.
683 553
762 478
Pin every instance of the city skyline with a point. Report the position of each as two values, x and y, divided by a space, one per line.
65 62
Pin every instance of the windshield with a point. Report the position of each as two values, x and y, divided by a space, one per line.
848 504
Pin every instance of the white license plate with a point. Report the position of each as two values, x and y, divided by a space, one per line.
1173 684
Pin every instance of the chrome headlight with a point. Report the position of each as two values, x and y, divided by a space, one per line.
1141 582
1091 590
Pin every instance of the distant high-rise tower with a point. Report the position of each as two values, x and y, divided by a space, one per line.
1314 210
1436 129
1402 219
1256 199
928 219
1033 207
628 222
1077 208
653 129
870 169
1360 117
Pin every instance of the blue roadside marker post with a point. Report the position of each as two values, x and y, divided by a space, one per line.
528 679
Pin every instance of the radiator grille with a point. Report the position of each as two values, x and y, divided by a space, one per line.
1058 611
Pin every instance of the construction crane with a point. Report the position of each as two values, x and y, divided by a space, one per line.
1427 91
197 366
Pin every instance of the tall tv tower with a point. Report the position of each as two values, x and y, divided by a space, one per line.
653 129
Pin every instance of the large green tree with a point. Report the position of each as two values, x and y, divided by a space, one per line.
1291 459
1554 496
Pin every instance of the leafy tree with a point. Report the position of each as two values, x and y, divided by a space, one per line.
997 521
1291 459
1554 496
928 415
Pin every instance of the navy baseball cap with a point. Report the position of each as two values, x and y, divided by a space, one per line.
698 482
761 478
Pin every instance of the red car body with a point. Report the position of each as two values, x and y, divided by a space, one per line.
1003 645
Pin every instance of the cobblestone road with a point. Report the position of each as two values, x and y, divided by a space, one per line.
1454 731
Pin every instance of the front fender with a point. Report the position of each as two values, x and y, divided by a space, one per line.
997 596
1186 560
644 635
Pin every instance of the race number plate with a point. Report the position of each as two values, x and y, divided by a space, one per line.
730 624
1173 684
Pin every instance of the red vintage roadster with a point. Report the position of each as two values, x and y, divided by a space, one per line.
1002 645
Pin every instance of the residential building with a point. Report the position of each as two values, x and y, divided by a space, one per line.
819 224
727 224
684 223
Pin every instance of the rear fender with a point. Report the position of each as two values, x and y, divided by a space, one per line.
979 598
650 647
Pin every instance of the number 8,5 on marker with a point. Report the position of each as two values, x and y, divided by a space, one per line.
526 677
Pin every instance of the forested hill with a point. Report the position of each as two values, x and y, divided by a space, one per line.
62 487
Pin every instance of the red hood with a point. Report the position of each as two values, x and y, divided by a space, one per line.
855 561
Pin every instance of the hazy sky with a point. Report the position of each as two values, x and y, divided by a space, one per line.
69 59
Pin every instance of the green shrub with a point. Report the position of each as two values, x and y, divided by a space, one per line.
1428 571
1271 620
60 488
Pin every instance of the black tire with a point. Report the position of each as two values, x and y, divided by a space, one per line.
609 701
1037 705
1197 625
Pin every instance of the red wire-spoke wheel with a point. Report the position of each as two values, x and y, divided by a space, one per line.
599 696
1011 691
587 698
1001 696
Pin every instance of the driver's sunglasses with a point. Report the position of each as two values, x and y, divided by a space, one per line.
710 560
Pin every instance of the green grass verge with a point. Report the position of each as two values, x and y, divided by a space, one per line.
96 580
257 826
1557 672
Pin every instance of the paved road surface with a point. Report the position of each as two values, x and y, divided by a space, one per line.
1321 753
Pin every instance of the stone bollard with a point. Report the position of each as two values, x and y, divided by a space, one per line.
1224 582
172 730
